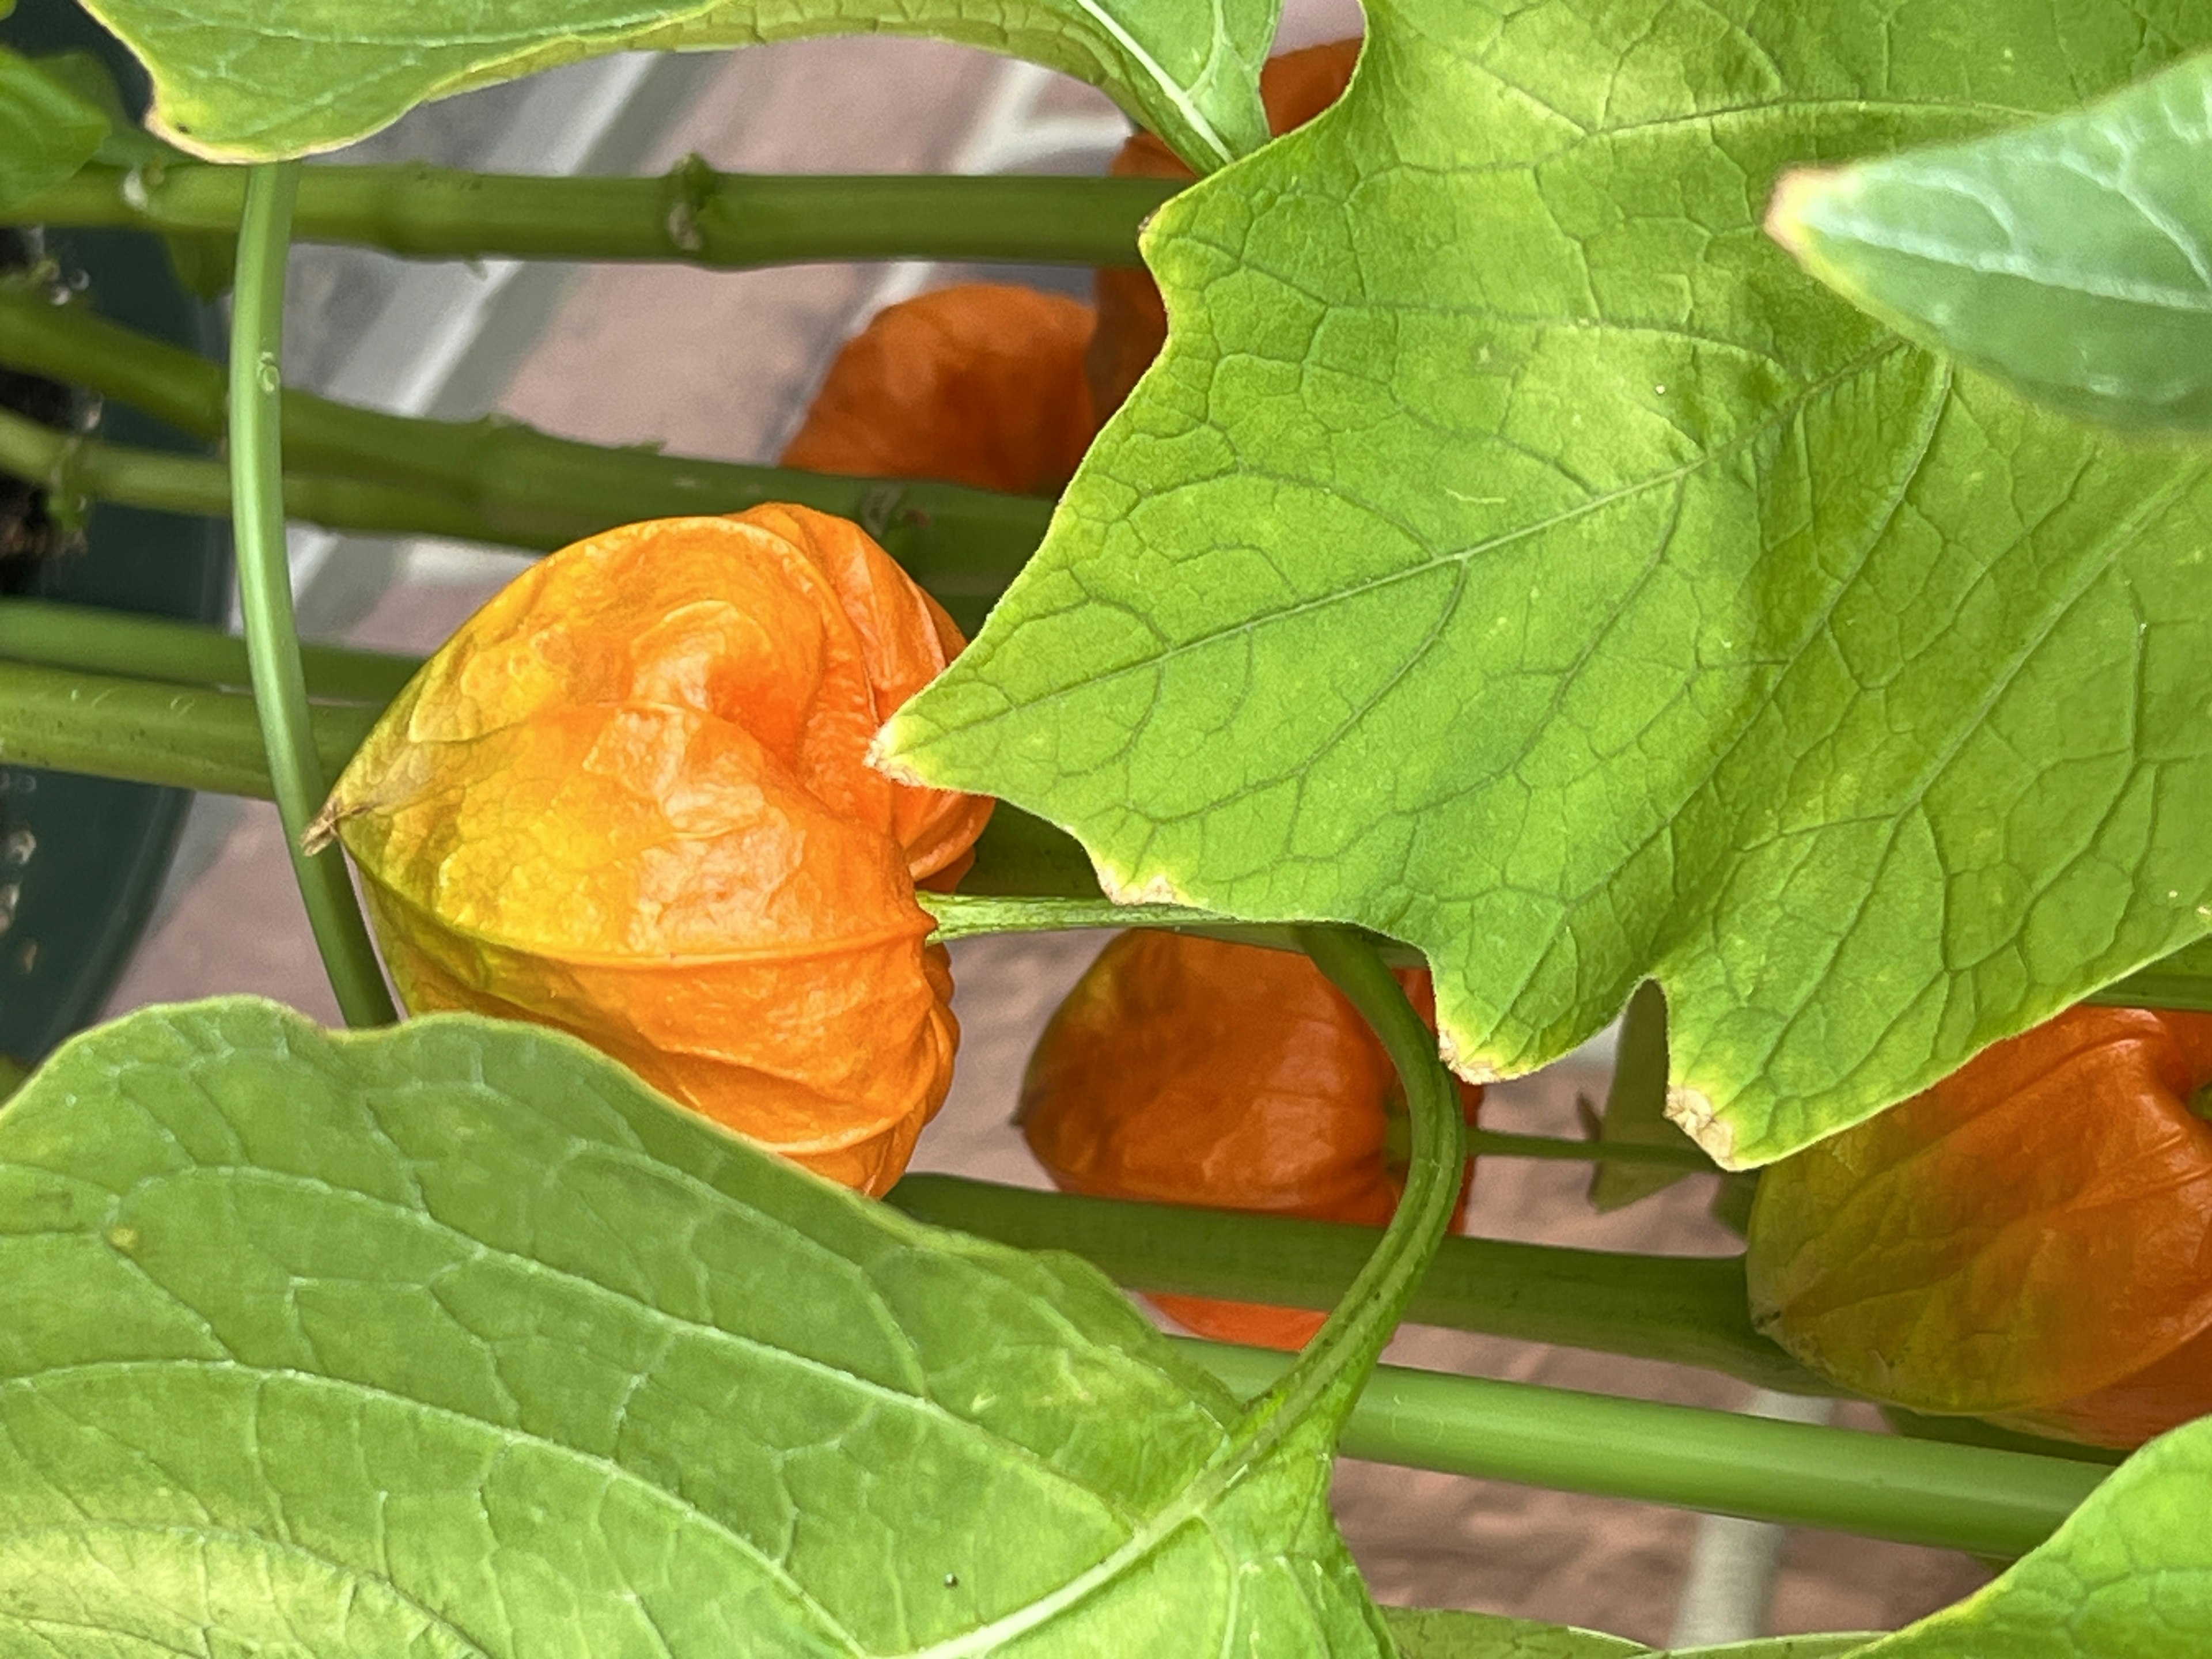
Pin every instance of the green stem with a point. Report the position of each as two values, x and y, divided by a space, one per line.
1325 1380
264 592
492 480
1952 1496
1684 1311
182 736
116 642
74 469
692 215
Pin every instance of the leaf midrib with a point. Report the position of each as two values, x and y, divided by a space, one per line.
612 1472
1780 415
920 1404
248 1542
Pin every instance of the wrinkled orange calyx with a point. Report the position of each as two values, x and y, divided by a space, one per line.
629 798
980 384
2030 1240
1182 1070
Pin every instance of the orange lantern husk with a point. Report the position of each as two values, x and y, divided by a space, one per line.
2029 1241
629 798
981 384
1183 1070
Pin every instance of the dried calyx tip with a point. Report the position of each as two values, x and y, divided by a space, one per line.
323 828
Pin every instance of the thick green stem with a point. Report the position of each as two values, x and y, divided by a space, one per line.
492 480
692 215
158 649
265 593
182 736
1325 1380
74 469
1916 1492
1686 1311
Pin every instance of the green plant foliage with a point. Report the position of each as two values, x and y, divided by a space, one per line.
48 128
1515 554
1777 1647
456 1339
2128 1576
1435 1633
233 81
2073 256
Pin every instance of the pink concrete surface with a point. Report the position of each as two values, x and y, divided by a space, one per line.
721 364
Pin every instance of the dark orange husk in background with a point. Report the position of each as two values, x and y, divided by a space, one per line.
1132 322
2030 1240
629 798
1189 1071
982 384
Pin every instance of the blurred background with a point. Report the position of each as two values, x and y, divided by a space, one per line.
723 365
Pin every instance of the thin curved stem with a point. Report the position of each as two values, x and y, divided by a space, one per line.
1326 1378
264 587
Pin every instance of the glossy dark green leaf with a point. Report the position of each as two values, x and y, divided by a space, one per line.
234 80
2073 256
454 1339
1515 553
48 128
2129 1575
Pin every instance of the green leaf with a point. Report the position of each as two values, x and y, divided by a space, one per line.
48 128
1636 1107
2129 1575
1441 1633
126 144
235 81
455 1338
1779 1647
2073 256
1515 554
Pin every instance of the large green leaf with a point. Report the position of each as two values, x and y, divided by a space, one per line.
1776 1647
48 128
2129 1575
1441 1633
1515 553
2074 255
238 79
457 1339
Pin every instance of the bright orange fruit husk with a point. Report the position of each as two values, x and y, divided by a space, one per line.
981 384
1189 1071
1133 322
629 798
2030 1240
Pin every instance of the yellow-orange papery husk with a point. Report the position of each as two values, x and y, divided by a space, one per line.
629 798
2030 1240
